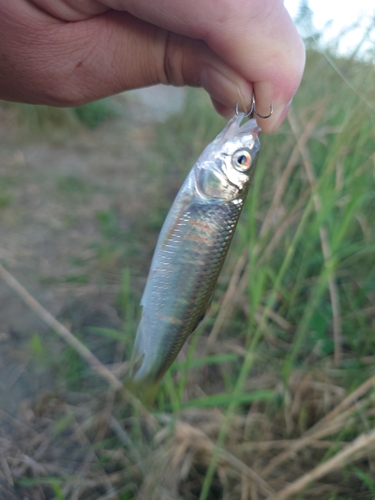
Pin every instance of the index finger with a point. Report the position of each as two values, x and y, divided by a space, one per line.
257 38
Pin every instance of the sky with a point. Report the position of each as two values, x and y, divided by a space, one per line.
340 14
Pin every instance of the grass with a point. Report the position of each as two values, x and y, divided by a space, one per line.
5 200
94 114
57 123
73 186
251 405
7 185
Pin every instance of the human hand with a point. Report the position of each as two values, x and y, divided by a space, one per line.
67 52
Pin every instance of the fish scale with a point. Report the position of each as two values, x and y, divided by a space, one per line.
198 280
191 250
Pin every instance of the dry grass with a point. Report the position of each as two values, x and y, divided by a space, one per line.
51 448
56 446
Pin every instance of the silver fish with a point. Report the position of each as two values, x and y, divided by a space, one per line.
191 250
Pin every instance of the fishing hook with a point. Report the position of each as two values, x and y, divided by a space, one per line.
253 110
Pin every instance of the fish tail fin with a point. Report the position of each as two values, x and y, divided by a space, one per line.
145 392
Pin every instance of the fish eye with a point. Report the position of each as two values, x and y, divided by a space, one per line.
242 160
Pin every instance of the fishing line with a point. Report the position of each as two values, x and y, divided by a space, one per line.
339 72
319 48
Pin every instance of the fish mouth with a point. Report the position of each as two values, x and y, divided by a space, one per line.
245 133
234 127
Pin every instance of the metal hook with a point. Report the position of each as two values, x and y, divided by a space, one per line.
253 110
247 115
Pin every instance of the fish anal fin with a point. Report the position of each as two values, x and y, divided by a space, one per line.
146 392
204 313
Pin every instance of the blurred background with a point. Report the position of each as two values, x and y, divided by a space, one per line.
278 381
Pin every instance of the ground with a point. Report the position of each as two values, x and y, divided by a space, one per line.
73 208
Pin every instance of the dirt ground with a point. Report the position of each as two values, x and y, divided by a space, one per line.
74 210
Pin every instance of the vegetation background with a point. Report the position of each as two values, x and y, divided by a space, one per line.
273 397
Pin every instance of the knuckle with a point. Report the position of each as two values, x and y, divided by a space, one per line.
172 64
183 60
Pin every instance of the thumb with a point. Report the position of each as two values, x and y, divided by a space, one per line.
71 63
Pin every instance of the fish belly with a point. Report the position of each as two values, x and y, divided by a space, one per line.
184 276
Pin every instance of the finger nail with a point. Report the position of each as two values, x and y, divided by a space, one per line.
280 111
284 113
221 109
226 90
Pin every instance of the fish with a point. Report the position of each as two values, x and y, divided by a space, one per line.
191 250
